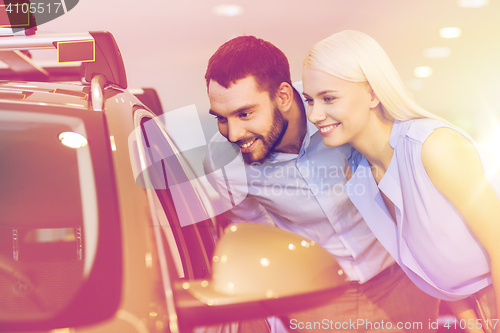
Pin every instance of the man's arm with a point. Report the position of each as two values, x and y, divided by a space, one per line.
230 183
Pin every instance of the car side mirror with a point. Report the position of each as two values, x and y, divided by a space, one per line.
260 271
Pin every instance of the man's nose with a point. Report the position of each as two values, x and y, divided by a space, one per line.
236 132
315 114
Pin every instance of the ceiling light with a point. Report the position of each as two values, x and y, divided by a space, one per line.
450 32
228 10
472 3
72 140
264 262
423 71
437 52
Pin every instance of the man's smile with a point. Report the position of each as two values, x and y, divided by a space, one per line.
247 146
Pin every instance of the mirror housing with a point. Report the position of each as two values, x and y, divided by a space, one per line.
260 271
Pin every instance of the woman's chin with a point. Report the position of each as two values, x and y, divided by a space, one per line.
332 142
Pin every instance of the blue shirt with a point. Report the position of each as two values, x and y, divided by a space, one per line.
302 193
431 241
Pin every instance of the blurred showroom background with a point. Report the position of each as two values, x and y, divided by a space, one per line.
166 45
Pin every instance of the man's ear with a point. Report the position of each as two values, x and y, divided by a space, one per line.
374 101
284 97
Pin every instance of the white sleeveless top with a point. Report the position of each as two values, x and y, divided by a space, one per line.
431 241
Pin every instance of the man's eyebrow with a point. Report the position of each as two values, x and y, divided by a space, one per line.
243 109
240 110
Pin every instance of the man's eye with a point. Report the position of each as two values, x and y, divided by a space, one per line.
220 119
244 114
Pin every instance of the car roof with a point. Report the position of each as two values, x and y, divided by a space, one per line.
45 93
97 50
27 82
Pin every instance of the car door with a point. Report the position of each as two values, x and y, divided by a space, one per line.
186 231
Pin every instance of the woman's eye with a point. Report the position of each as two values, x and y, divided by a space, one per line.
309 101
328 99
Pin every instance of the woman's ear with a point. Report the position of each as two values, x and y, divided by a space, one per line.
284 97
374 101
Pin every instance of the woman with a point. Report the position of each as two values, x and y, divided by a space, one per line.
420 184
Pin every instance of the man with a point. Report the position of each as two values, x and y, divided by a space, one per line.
297 183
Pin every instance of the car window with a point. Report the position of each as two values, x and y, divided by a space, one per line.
48 214
169 177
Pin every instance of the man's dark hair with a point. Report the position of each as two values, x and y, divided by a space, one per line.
247 55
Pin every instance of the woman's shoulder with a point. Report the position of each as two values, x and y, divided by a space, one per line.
430 138
420 129
447 146
436 133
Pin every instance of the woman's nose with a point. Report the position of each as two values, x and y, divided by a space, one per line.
315 114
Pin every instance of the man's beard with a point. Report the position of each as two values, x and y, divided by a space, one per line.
272 139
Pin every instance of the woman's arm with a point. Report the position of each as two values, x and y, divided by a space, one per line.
454 167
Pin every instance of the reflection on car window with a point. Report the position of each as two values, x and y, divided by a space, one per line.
194 241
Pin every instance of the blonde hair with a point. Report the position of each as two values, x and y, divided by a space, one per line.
354 56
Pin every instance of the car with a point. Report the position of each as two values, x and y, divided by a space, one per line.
103 225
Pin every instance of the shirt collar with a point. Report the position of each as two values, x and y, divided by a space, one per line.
365 195
311 130
398 128
282 157
390 182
